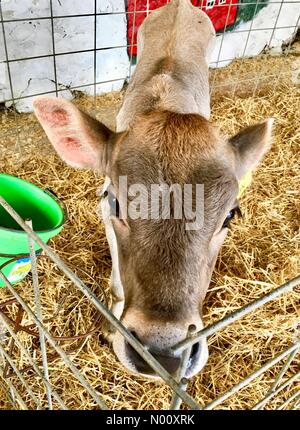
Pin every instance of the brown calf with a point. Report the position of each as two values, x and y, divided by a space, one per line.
161 269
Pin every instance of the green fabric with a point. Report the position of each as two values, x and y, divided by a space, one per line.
246 12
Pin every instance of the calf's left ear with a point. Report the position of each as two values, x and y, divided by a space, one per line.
250 145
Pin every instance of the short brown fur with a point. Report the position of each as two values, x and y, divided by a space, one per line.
161 270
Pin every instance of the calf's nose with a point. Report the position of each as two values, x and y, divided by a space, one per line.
166 358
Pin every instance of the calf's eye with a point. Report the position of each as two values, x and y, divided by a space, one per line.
231 215
114 204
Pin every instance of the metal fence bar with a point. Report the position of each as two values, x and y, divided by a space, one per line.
286 53
53 48
95 51
10 78
297 403
280 388
259 75
249 378
221 45
20 376
54 344
9 393
180 374
6 55
295 397
132 40
289 285
161 371
37 299
245 48
14 393
284 368
31 361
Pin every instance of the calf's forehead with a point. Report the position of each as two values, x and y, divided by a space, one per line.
166 148
171 146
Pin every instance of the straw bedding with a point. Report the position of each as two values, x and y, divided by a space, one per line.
261 252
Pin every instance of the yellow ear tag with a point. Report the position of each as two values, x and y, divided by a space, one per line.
244 183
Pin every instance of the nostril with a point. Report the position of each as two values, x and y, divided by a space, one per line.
135 335
195 350
141 365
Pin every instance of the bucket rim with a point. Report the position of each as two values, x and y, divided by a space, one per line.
51 195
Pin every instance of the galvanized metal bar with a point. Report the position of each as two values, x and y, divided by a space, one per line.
234 316
132 39
5 385
14 393
297 403
11 396
95 51
270 40
31 361
180 374
280 388
53 48
221 45
37 299
8 390
20 376
282 371
54 344
139 347
10 79
6 55
249 378
295 397
18 396
281 374
279 76
245 48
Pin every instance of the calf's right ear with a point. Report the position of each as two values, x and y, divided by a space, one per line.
80 140
250 145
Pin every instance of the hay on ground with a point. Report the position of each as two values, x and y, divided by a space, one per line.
261 252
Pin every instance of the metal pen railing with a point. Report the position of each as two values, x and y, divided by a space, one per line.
177 384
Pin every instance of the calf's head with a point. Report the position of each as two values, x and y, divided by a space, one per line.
165 262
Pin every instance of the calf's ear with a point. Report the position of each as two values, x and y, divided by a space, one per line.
250 145
80 140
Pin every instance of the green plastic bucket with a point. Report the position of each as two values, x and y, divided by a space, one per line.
30 202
